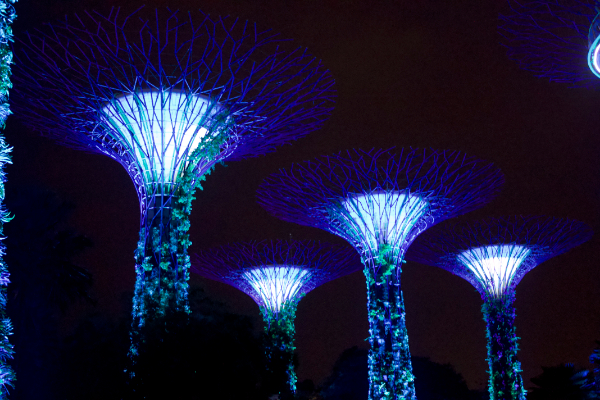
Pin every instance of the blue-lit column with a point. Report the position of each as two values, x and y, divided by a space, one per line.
390 367
505 381
279 350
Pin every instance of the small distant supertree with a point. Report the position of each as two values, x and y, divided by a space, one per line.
277 274
7 16
555 39
494 255
380 201
168 95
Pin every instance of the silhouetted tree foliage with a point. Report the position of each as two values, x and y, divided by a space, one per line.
44 282
212 354
562 382
433 381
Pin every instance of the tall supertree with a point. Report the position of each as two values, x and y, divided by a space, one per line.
494 255
7 16
277 274
379 201
168 95
555 39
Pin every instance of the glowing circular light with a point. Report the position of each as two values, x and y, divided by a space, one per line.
494 266
276 284
384 217
594 46
161 129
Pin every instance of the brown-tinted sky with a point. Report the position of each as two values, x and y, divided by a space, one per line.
421 74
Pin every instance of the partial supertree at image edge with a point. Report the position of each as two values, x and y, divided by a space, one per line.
7 16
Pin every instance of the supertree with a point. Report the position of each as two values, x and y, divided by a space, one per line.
554 39
494 255
277 274
379 201
168 95
7 16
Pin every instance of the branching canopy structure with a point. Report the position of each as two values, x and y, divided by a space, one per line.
555 39
277 274
168 95
380 201
494 255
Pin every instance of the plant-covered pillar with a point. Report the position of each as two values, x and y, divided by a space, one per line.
162 260
390 367
279 349
505 381
7 16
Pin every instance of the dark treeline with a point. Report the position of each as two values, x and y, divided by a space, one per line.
212 354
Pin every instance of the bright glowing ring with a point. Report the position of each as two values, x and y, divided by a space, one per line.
593 57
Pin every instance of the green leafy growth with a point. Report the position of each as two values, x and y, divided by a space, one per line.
505 381
280 350
390 368
162 260
7 16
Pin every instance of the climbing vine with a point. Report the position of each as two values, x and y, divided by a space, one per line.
505 381
162 260
390 368
7 16
279 348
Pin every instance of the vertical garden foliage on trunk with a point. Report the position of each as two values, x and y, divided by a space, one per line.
7 16
279 349
390 367
162 260
505 381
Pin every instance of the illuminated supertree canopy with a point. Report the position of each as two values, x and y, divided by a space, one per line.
380 201
277 274
168 95
494 255
555 39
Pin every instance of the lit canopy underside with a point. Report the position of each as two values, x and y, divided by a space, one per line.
275 285
494 266
383 218
594 46
160 130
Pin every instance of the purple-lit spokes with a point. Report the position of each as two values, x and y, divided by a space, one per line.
382 217
161 130
494 266
276 285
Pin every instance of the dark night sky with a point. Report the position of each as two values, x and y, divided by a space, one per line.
421 74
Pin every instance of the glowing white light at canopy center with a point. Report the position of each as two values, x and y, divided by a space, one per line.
160 129
384 217
594 46
276 284
495 266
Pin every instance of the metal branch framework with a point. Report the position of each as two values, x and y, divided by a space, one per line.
168 95
380 201
494 255
554 39
277 274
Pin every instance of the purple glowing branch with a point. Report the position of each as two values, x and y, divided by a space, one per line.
552 39
125 87
495 254
274 273
380 196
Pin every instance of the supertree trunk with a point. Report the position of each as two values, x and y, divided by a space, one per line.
505 381
162 262
390 367
279 350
